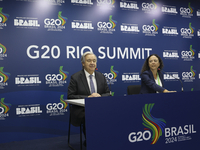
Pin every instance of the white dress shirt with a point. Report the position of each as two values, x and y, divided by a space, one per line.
93 79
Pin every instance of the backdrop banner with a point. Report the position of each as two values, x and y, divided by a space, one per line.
41 43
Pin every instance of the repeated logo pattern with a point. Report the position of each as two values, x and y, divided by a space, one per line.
192 50
4 74
63 102
65 74
191 28
3 16
63 19
3 48
113 22
155 25
114 72
155 5
191 8
6 106
193 71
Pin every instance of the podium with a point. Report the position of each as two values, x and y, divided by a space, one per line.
144 121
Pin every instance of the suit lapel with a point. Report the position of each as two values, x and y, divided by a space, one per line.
84 81
151 74
161 78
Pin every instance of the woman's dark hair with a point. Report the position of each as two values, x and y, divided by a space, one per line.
145 66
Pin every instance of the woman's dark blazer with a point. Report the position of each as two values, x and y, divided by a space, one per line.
148 84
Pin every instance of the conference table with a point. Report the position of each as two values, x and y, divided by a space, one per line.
144 121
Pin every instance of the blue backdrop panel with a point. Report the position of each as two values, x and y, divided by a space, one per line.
35 114
41 43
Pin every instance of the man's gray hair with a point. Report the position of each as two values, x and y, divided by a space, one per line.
86 53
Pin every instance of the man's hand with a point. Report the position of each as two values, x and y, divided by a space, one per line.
95 95
166 91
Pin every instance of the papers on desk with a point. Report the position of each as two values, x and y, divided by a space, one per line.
79 102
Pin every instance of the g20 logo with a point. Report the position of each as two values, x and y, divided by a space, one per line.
109 75
139 136
104 1
187 74
186 31
52 22
54 77
185 10
148 6
186 53
54 106
104 25
148 28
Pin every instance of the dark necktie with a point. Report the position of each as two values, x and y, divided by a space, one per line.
92 85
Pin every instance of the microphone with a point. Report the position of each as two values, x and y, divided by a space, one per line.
108 80
174 78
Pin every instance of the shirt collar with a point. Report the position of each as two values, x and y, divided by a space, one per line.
87 74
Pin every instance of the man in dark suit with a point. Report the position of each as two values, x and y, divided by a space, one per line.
86 83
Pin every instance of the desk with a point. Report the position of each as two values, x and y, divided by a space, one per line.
79 102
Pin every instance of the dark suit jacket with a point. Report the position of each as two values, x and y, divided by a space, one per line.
78 89
148 84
